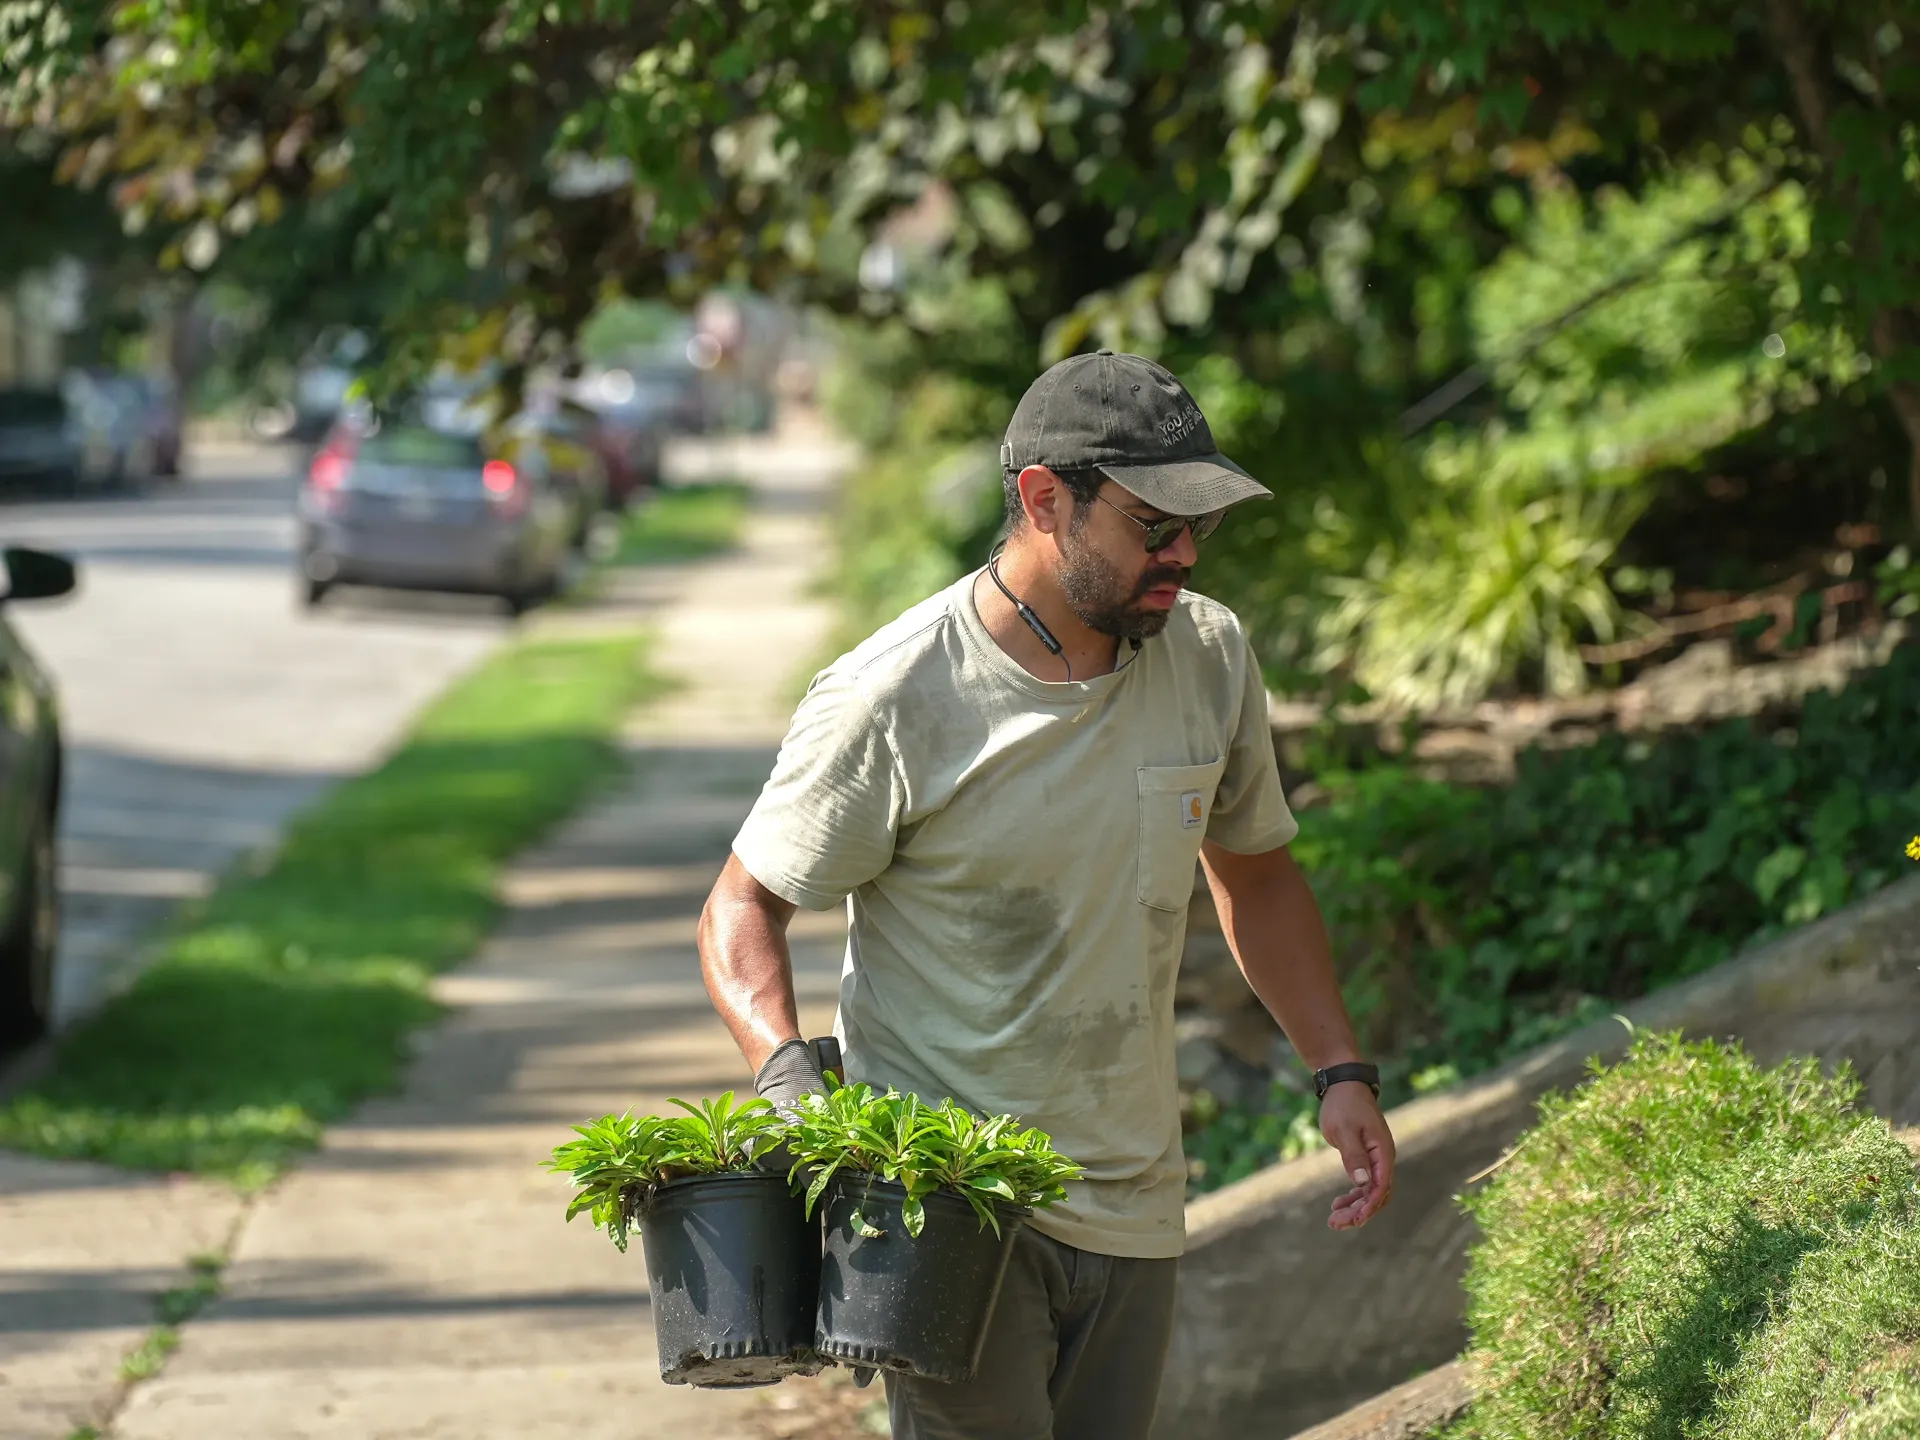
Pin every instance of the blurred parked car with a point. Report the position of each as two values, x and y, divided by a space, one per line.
579 454
587 455
29 805
392 500
164 418
634 419
677 391
50 441
321 383
137 421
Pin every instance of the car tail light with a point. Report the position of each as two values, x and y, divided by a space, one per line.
329 470
327 476
503 487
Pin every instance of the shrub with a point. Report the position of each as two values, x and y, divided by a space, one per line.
1690 1247
1474 924
1612 870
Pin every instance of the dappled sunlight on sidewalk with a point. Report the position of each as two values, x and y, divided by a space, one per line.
415 1277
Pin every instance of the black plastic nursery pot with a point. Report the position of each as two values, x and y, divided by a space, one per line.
914 1304
734 1265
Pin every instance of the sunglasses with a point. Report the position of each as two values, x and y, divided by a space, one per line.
1162 533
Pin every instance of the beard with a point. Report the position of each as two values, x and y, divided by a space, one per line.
1103 599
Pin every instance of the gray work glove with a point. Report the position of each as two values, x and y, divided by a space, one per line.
788 1077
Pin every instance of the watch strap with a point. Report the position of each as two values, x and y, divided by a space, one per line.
1368 1075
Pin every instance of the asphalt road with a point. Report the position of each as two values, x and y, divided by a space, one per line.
202 705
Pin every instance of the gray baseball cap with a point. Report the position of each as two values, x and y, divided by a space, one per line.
1130 419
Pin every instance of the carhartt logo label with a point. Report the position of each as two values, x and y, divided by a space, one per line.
1176 428
1193 810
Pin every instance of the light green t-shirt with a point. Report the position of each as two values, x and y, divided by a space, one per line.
1017 857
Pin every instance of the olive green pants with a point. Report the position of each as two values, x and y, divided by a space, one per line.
1073 1352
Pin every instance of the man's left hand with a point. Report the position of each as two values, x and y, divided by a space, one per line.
1350 1118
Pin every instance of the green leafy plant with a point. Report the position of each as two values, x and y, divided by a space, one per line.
925 1149
1230 1142
1476 923
1898 578
620 1160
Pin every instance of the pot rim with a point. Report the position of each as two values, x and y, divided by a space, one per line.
845 1177
725 1177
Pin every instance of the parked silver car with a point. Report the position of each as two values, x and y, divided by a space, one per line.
391 500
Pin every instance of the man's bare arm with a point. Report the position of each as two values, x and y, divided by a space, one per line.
1274 928
746 964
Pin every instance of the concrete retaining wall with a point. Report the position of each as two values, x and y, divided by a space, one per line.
1407 1412
1283 1324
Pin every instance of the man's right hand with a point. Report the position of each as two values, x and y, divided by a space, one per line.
789 1075
787 1078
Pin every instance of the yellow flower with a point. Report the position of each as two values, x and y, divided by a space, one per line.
1913 848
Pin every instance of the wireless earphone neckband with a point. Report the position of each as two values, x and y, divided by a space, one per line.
1025 611
1033 621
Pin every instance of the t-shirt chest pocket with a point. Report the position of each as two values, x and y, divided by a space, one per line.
1175 804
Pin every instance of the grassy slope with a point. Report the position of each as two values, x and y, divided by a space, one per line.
1693 1247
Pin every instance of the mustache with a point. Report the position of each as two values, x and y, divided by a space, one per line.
1158 575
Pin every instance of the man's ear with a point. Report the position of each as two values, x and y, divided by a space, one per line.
1042 496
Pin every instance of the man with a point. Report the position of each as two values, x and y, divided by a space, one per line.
1009 786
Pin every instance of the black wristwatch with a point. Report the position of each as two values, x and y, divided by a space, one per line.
1368 1075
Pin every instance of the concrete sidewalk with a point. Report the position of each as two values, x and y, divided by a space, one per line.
414 1279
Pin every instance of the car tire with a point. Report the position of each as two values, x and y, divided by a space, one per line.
528 597
313 592
134 470
531 593
32 937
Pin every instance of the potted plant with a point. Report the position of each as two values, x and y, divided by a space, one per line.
733 1255
922 1205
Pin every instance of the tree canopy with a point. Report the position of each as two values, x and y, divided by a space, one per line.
1470 283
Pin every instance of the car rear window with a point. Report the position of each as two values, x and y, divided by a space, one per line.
396 444
31 407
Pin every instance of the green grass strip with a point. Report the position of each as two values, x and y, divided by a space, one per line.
685 522
287 996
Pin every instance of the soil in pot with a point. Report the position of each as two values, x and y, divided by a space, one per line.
918 1304
734 1266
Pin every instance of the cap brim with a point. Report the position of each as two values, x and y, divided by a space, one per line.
1189 487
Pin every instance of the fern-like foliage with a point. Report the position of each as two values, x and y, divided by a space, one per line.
925 1148
618 1161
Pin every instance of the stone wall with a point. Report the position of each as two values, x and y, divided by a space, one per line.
1283 1324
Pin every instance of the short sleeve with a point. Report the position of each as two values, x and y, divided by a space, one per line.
1250 813
825 822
